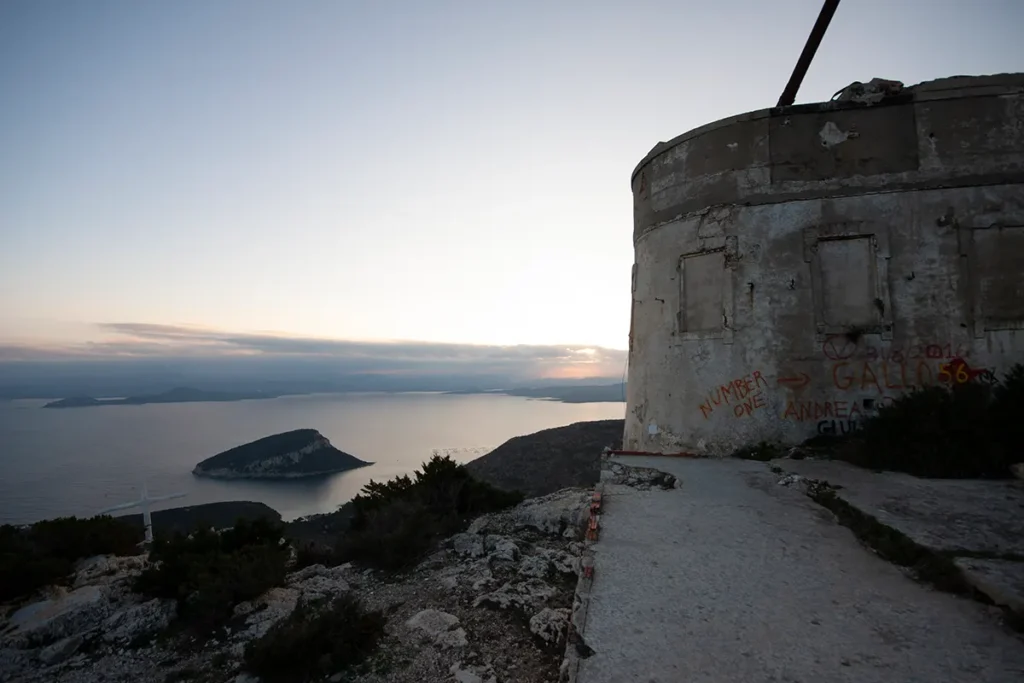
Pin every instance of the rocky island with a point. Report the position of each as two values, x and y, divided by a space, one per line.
298 453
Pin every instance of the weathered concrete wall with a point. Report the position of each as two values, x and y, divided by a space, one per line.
797 268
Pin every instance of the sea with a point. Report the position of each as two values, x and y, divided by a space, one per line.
79 461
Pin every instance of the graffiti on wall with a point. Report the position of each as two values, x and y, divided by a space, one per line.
832 417
852 370
841 347
741 396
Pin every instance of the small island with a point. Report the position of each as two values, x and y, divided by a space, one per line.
178 395
298 453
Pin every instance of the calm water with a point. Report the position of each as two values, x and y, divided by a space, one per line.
78 461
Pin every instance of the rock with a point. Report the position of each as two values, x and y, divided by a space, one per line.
59 651
439 627
535 566
472 674
480 575
1018 470
106 569
550 625
555 513
872 92
640 478
265 611
11 660
65 614
563 562
468 545
501 548
529 594
325 587
790 479
137 620
306 573
479 525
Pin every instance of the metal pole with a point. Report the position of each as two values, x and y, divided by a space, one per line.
813 41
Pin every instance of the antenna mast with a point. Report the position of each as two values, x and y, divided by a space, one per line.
813 41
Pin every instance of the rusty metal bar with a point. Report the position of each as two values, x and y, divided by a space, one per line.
813 41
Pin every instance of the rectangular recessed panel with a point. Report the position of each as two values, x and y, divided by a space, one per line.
703 280
847 269
999 271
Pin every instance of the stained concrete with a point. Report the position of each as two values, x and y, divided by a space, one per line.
796 268
732 577
949 515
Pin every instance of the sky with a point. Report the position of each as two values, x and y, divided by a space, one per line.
329 172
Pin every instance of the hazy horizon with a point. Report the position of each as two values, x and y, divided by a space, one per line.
301 185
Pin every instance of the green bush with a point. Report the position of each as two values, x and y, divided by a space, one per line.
395 523
46 552
967 431
208 573
313 643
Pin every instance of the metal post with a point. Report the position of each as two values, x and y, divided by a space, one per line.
813 41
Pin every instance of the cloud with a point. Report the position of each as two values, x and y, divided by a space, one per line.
126 341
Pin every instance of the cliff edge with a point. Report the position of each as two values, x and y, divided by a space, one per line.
298 453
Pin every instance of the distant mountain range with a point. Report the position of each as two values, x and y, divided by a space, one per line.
241 378
178 395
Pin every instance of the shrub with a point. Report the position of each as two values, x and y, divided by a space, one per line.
397 522
969 430
208 573
46 552
313 643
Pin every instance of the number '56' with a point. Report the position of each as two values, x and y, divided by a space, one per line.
946 375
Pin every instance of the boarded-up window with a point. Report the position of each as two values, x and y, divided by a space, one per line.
702 289
849 263
998 273
847 277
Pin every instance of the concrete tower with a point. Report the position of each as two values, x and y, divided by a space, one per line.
797 268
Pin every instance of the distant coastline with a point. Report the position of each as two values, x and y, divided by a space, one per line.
179 395
595 393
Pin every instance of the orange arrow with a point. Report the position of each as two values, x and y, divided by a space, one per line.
801 380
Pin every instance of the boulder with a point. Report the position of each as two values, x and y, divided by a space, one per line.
136 620
550 625
527 595
501 548
439 627
319 582
560 513
65 614
479 525
265 611
562 561
468 545
106 569
536 566
61 650
464 673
